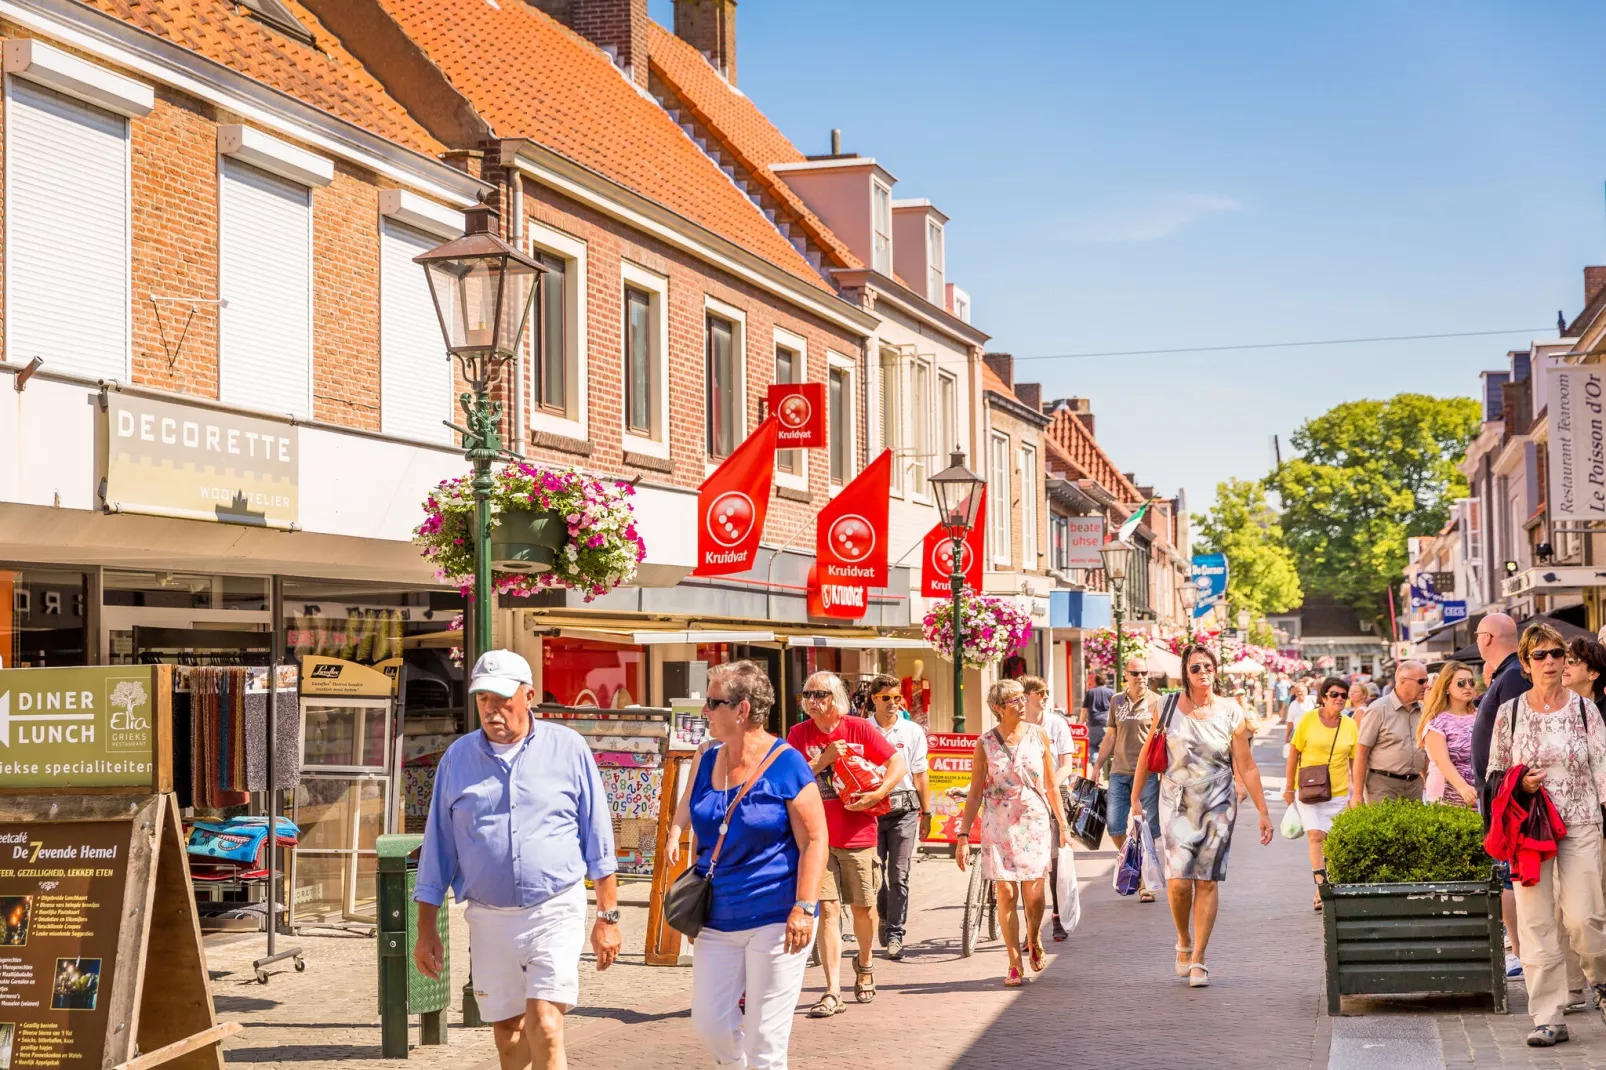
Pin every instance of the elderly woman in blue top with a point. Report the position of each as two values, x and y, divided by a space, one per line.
761 919
517 822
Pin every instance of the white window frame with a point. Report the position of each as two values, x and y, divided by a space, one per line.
784 338
1027 459
890 364
998 498
737 318
576 424
947 418
935 273
881 227
921 413
656 286
849 369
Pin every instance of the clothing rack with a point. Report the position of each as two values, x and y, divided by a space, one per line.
276 612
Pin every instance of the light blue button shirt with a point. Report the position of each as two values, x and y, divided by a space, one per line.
515 832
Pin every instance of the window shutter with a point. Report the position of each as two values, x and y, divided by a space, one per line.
66 285
415 375
266 278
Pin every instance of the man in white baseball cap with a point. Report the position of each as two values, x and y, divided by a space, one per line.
517 823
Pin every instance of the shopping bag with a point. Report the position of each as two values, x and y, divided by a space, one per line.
853 775
1128 875
1068 889
1087 815
1293 828
1153 872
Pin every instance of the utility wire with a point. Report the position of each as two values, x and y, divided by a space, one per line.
1284 345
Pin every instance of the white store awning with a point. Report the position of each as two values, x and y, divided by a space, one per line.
860 642
660 638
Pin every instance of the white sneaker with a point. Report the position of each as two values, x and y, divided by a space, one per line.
1513 965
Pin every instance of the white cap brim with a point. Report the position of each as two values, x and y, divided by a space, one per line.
505 686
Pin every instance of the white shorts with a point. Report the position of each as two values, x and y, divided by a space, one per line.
524 953
1318 817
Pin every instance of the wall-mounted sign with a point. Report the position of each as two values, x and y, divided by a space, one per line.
1577 398
1084 536
164 458
90 727
799 409
1210 573
1453 611
846 601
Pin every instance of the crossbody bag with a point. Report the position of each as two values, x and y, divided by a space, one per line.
1316 781
999 736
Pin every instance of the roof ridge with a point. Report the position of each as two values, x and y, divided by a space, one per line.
1066 426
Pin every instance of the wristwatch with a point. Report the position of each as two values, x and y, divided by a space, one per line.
812 909
609 916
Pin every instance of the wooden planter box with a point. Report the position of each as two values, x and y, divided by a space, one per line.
1392 939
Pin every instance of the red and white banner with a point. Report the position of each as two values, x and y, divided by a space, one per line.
937 562
732 503
845 601
800 410
850 541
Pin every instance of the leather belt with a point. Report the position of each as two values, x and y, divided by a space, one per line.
1396 776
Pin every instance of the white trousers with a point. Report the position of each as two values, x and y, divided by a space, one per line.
755 962
1570 888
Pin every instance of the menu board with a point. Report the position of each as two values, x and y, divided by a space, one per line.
77 727
61 900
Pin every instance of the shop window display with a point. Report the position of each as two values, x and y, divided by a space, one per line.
580 672
42 618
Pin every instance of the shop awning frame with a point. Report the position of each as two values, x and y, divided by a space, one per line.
857 642
662 638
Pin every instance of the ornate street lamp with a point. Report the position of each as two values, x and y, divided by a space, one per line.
958 493
1117 558
483 290
1189 592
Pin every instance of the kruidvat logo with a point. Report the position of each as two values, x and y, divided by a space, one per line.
942 555
836 595
730 518
851 538
795 412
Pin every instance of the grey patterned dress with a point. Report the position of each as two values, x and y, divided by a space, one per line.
1198 804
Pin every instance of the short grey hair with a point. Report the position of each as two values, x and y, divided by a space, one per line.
1002 691
746 681
831 682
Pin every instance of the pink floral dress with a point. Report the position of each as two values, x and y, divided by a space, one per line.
1017 837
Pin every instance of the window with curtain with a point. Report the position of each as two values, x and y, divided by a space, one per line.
787 368
922 411
998 500
892 414
638 361
948 419
839 404
721 375
1028 507
549 337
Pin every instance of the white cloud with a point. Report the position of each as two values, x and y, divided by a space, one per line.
1148 218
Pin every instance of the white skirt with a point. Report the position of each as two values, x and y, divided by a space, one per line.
1318 817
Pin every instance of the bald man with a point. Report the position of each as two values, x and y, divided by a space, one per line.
1497 642
1389 762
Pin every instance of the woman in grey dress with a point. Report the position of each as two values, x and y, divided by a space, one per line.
1207 741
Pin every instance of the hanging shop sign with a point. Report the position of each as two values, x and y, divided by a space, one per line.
948 761
1577 399
1084 536
87 727
732 504
799 409
1454 610
937 560
168 459
1079 755
850 536
844 601
1210 573
331 676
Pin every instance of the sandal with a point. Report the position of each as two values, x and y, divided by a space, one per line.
826 1006
1012 979
1038 960
1184 958
1198 982
863 982
1145 896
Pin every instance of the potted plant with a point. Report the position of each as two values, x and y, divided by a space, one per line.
993 628
1409 904
548 529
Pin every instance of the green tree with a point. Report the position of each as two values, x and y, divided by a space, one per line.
1261 575
1368 474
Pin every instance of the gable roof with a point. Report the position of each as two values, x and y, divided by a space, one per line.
1071 435
529 77
326 77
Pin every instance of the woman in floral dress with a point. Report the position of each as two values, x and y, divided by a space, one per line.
1009 774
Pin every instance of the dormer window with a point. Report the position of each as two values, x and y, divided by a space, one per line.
881 223
278 16
934 275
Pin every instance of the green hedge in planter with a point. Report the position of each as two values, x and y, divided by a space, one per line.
1399 842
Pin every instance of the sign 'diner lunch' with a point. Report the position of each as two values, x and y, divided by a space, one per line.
79 727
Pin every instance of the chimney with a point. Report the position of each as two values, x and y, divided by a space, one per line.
618 27
1083 408
709 26
1594 283
1030 394
836 141
1003 366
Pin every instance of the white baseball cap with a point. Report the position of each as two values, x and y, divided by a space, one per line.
500 672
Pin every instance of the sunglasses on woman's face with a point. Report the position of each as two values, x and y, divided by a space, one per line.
1465 682
1547 654
1199 668
1337 694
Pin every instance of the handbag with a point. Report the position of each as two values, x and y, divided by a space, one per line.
1316 781
687 901
1128 876
1155 758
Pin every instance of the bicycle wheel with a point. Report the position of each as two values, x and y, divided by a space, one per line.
975 906
992 912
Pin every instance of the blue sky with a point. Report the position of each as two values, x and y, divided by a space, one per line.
1159 175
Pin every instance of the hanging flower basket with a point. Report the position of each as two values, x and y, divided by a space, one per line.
994 628
548 529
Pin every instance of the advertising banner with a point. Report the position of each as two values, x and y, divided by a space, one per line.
732 504
845 601
164 458
948 759
850 540
77 728
1577 394
1453 610
799 408
1210 573
937 560
1079 755
1086 535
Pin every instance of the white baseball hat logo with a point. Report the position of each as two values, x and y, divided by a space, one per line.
730 518
795 411
851 538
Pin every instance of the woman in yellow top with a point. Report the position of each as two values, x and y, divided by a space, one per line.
1324 736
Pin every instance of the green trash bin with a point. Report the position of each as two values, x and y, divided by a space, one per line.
405 990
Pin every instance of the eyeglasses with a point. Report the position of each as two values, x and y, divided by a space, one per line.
1484 635
1547 654
817 695
1199 668
1018 700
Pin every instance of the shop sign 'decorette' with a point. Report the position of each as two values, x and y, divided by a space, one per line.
799 409
164 458
937 560
732 504
77 728
850 536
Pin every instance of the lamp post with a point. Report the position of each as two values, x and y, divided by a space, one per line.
483 289
958 493
1188 590
1117 556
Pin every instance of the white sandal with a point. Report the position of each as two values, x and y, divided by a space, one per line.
1184 955
1198 982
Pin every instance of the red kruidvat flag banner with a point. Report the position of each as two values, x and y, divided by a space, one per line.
800 408
850 540
844 601
937 563
732 503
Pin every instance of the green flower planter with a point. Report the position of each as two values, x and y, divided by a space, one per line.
527 541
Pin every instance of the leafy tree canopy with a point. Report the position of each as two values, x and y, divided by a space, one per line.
1261 575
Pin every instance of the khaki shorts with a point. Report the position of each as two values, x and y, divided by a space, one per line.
852 876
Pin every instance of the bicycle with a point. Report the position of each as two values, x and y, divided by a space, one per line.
981 905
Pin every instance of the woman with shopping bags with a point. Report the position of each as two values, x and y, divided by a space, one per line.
1199 742
1011 785
1550 744
1321 755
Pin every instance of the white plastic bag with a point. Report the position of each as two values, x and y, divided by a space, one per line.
1068 889
1153 872
1293 828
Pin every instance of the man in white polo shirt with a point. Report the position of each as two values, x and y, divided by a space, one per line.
898 831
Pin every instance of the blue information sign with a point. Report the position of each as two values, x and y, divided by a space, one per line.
1210 573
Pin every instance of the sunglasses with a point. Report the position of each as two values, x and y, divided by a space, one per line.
715 703
1546 655
890 696
1199 668
1463 683
1134 672
1336 694
822 694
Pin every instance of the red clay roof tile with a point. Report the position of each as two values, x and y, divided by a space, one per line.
1070 434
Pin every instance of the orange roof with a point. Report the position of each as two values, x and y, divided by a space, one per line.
742 129
327 77
1072 436
530 77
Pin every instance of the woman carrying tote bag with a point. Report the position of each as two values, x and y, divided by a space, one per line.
1321 754
754 802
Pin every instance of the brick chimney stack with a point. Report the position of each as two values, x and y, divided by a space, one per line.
709 26
618 27
1083 409
1030 394
1003 366
1594 283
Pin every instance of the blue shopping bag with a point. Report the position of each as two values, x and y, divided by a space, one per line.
1129 874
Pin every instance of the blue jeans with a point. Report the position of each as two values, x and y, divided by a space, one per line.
1119 804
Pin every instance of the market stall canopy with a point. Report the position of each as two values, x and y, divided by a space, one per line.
1468 655
1163 663
1246 667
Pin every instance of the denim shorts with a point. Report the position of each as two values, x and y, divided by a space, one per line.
1118 804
